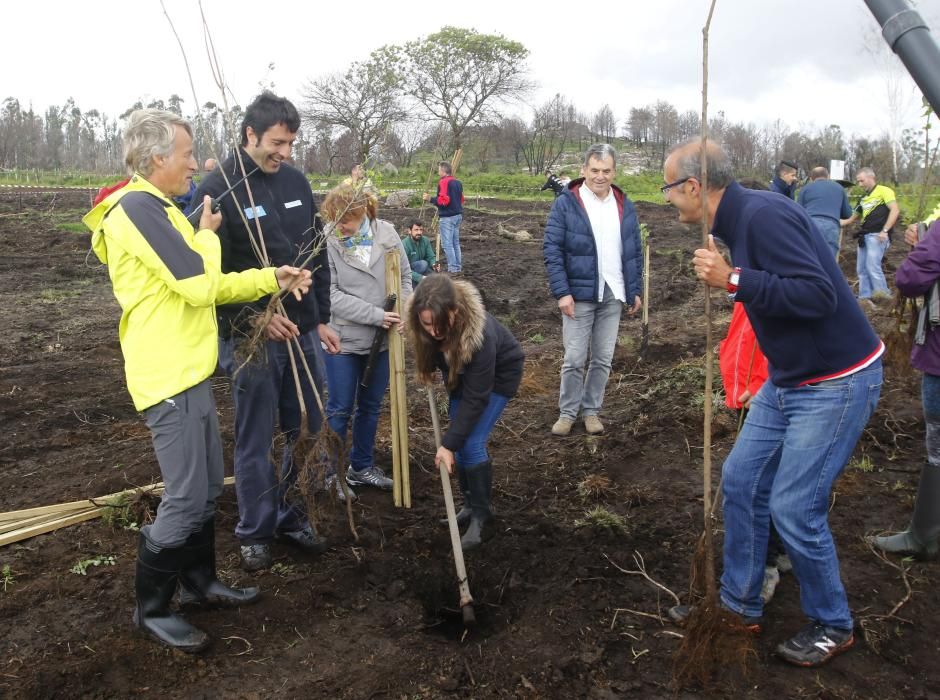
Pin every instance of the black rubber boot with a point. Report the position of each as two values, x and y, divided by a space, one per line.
198 580
463 515
480 483
157 576
920 538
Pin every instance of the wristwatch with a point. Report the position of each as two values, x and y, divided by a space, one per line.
733 277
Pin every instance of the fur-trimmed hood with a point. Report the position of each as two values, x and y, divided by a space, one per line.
468 325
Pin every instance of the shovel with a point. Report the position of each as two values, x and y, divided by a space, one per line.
466 600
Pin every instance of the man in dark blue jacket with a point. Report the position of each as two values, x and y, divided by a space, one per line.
282 206
784 181
594 265
825 380
449 203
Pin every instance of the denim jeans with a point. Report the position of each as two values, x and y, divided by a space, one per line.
794 444
450 240
421 267
871 278
474 449
592 330
264 394
344 372
830 229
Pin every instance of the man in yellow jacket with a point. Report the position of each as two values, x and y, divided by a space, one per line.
167 278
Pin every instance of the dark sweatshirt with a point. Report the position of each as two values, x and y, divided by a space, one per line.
291 228
804 315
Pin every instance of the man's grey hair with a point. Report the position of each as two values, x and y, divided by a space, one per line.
600 151
446 167
866 171
720 172
150 133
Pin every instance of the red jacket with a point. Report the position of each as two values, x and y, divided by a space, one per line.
743 365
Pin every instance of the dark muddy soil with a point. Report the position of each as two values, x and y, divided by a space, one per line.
379 618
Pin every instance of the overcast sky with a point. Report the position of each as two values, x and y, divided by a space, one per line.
804 61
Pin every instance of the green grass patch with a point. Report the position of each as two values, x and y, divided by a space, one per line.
601 519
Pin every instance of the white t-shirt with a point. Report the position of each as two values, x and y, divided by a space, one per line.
605 224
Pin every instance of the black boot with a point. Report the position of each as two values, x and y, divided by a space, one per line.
920 538
480 483
198 580
157 576
463 515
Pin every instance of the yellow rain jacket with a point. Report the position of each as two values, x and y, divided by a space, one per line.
167 279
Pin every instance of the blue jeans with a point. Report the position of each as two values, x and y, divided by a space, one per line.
794 444
264 394
421 267
450 240
592 330
871 278
830 229
474 449
344 372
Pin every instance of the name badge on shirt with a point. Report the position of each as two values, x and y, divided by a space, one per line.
291 205
250 213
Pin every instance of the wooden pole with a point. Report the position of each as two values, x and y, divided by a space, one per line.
401 477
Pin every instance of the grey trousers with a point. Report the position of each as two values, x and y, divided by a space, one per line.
593 330
185 432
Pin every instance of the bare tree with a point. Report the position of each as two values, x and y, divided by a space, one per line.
604 125
365 101
544 141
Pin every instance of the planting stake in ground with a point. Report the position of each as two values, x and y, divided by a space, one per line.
463 585
401 477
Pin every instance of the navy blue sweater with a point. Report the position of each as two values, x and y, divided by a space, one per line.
780 187
804 315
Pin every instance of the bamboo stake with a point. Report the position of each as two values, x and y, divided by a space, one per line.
37 521
401 478
645 340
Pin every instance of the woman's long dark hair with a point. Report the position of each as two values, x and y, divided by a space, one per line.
437 294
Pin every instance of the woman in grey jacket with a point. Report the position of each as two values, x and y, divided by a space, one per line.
357 243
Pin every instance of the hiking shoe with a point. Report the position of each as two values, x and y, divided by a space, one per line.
680 614
562 426
305 538
371 476
783 564
593 425
815 644
334 488
771 579
255 556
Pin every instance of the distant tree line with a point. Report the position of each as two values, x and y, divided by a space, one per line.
456 88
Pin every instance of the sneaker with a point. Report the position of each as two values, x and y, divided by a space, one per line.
255 556
784 565
305 538
769 586
815 644
372 476
562 426
593 425
680 614
334 488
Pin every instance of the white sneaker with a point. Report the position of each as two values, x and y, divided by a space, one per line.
771 579
562 426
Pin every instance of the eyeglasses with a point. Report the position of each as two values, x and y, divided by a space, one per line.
665 188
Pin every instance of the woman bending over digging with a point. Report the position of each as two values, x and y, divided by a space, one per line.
357 243
481 363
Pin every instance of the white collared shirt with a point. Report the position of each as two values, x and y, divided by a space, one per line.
605 225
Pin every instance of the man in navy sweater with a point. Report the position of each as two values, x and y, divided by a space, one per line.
828 205
824 384
784 181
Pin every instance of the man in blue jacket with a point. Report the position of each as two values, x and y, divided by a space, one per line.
784 181
825 380
592 256
281 205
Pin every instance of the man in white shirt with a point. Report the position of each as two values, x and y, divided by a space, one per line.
595 267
